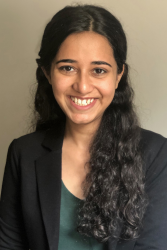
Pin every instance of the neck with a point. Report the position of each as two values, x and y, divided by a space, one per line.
80 134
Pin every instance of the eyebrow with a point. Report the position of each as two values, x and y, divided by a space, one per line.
74 61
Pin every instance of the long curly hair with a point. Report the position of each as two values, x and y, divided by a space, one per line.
116 195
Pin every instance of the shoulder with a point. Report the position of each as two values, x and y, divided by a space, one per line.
46 138
31 140
154 150
151 144
150 138
27 146
36 144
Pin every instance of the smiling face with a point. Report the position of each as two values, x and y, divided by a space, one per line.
84 77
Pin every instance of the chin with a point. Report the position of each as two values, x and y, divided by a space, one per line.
81 122
84 120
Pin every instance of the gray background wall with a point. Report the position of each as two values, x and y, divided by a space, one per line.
21 27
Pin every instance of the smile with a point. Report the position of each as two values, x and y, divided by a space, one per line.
83 102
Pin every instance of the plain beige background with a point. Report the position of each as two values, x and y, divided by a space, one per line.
21 27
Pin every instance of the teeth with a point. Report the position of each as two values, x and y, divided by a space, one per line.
80 102
84 102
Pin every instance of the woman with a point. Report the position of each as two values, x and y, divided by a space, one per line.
88 177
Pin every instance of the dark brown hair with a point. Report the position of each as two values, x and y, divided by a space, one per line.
116 195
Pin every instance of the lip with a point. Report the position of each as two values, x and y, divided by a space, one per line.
82 98
82 107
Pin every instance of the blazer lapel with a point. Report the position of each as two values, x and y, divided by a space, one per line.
48 171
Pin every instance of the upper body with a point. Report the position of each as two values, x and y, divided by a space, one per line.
100 152
31 193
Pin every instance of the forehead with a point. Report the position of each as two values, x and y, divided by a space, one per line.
88 45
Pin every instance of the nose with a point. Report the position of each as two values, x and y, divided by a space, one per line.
83 83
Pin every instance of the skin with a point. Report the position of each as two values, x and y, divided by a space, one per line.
82 79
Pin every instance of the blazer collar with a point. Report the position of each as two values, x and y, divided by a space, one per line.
48 173
54 137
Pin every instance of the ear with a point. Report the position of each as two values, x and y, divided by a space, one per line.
46 74
119 76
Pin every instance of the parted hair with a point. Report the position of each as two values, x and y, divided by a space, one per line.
116 195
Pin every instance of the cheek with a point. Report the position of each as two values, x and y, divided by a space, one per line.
59 85
108 90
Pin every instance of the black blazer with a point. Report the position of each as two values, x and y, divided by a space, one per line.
31 193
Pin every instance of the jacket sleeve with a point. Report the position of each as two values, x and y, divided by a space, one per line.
12 231
154 231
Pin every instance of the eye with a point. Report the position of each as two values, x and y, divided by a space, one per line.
99 71
66 68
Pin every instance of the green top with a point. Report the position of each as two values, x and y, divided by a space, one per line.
69 238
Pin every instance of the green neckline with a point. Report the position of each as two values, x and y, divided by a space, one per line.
71 193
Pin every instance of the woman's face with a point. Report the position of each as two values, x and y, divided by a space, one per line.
84 77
